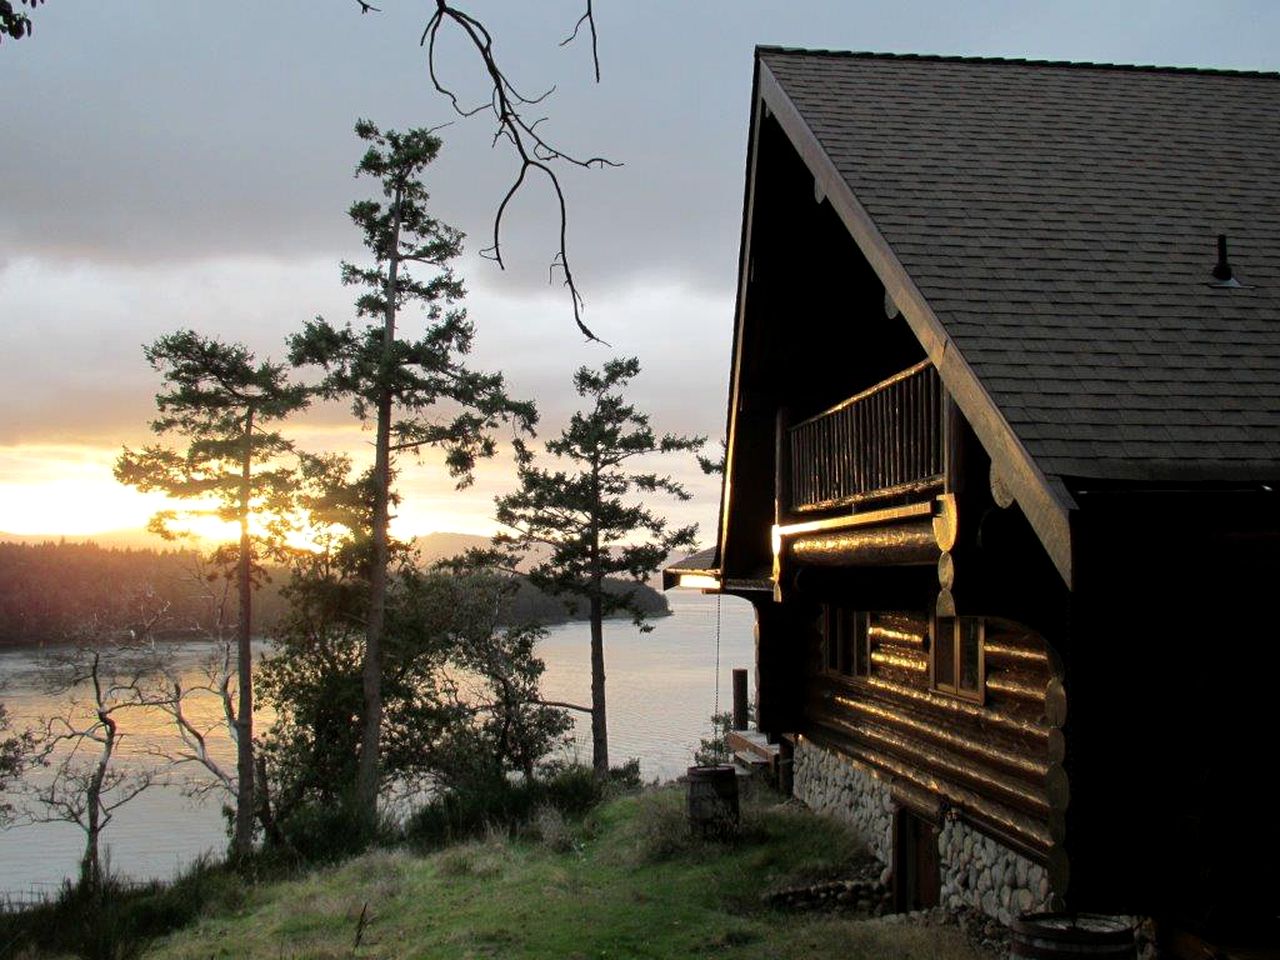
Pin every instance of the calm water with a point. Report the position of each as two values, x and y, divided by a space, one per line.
661 688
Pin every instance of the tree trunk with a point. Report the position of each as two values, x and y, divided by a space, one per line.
599 727
242 842
367 784
91 865
599 721
266 815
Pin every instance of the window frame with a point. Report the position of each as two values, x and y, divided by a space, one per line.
846 633
951 685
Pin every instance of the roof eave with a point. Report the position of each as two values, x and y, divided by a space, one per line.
1044 499
739 312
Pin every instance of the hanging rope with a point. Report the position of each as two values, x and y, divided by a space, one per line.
716 713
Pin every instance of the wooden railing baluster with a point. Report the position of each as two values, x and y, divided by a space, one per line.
883 442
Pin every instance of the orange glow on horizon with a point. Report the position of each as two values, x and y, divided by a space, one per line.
68 490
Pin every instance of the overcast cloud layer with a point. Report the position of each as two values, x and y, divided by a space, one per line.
168 163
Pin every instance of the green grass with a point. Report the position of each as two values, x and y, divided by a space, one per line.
631 884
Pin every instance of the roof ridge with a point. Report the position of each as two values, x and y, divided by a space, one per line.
1013 61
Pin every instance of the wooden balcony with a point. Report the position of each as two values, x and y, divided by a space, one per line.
887 442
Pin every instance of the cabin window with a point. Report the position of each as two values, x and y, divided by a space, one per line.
845 645
958 665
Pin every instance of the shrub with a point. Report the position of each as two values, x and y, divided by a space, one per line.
318 834
551 830
715 751
471 807
625 779
487 801
571 789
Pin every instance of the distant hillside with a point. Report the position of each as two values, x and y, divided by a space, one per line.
138 539
439 546
50 588
529 603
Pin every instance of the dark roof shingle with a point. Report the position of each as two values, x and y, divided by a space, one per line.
1061 221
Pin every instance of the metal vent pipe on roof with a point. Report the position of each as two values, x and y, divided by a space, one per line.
1223 275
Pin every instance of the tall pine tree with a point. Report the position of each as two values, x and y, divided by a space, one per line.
417 391
223 402
585 515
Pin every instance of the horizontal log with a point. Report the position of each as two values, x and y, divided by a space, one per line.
1031 834
883 635
1012 634
921 802
867 588
1033 766
903 544
957 708
901 676
924 487
1006 654
1036 679
916 624
1016 688
970 772
886 658
833 697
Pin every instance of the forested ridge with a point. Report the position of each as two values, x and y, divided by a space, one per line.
49 591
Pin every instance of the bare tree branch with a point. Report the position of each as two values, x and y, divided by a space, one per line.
590 20
534 152
562 705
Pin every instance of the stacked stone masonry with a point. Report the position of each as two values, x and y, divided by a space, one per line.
977 871
831 785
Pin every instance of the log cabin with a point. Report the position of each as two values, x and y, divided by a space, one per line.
1002 469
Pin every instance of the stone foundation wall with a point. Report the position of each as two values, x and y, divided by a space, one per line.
977 871
830 784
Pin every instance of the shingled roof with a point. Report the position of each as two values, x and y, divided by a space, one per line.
1060 220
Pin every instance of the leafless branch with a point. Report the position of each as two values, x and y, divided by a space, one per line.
590 20
534 152
562 705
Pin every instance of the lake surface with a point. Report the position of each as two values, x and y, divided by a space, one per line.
661 689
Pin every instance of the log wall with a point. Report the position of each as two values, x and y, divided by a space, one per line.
996 763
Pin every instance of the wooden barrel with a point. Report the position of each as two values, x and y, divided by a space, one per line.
1048 936
713 800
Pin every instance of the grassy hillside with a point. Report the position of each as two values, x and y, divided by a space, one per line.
625 883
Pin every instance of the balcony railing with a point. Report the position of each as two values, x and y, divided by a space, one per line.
885 441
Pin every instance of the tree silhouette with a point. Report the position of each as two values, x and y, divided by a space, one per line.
584 515
220 399
441 403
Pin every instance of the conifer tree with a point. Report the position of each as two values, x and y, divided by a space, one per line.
417 391
585 517
223 402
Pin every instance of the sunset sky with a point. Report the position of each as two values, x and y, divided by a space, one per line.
172 164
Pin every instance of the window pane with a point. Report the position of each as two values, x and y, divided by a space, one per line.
944 652
829 631
846 641
861 649
970 654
